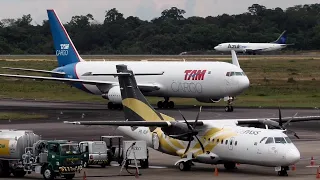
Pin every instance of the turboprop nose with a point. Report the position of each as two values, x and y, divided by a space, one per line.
293 156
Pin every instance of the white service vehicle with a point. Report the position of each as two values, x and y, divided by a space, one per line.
94 153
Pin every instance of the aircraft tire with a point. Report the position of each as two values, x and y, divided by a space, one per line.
160 104
171 104
229 165
185 166
110 105
228 108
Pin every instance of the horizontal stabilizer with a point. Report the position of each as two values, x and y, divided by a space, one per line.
34 70
127 123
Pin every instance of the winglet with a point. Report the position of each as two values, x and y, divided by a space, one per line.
234 58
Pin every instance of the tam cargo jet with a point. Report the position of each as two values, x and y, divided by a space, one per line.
207 82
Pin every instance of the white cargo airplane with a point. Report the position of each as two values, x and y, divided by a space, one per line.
221 141
205 81
252 48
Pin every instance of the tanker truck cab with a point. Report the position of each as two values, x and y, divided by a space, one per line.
63 159
94 153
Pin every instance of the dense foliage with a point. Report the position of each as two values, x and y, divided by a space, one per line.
171 33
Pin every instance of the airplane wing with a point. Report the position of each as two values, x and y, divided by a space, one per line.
34 70
127 123
284 119
143 87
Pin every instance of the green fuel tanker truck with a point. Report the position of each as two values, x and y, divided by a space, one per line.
23 151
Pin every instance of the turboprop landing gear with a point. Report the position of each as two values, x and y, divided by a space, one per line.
230 165
111 105
229 107
166 104
283 171
185 166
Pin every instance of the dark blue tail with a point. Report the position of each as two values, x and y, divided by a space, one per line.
282 39
65 51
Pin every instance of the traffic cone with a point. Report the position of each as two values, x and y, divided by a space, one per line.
294 167
84 175
312 161
318 175
216 173
238 164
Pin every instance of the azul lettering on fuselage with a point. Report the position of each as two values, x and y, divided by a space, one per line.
194 74
234 46
63 51
252 132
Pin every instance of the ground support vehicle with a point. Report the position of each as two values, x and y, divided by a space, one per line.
94 153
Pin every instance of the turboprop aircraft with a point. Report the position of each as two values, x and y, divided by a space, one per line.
253 48
207 82
224 141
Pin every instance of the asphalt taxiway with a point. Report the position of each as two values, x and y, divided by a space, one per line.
161 164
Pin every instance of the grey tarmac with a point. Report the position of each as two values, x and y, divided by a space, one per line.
161 164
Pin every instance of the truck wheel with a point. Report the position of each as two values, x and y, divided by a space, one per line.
103 165
48 174
4 169
19 173
69 176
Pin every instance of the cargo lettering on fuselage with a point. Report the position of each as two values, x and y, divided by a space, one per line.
194 74
252 132
63 51
187 87
234 46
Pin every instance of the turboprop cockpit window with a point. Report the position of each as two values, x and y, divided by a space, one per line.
280 140
263 139
288 140
270 140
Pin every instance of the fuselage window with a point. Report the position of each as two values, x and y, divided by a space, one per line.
279 140
235 143
263 139
238 73
230 142
221 141
233 73
228 74
217 140
270 140
226 141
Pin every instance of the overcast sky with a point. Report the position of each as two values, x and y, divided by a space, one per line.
144 9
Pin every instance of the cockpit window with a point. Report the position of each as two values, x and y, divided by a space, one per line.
280 140
263 139
235 74
288 140
270 140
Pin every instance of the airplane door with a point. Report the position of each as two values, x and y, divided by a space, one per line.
231 143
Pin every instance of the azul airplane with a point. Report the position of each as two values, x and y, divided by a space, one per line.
204 141
205 81
252 48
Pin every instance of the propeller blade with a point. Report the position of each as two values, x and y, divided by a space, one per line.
280 119
200 143
189 126
187 149
197 118
294 133
287 123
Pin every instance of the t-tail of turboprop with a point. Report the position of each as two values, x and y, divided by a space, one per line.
135 105
65 50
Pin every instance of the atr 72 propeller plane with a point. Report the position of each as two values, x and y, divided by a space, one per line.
203 141
205 81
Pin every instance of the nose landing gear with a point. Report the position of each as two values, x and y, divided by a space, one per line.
229 107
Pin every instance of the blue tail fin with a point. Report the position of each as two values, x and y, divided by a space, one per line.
65 50
282 39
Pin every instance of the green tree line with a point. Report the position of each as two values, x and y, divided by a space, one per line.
170 33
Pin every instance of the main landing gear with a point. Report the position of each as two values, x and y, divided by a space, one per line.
283 171
111 105
166 104
229 107
185 166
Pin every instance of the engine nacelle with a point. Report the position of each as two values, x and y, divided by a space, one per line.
114 95
208 100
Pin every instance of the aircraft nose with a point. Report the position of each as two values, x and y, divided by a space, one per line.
293 156
216 48
244 83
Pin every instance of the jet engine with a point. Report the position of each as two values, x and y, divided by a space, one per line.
208 100
114 95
